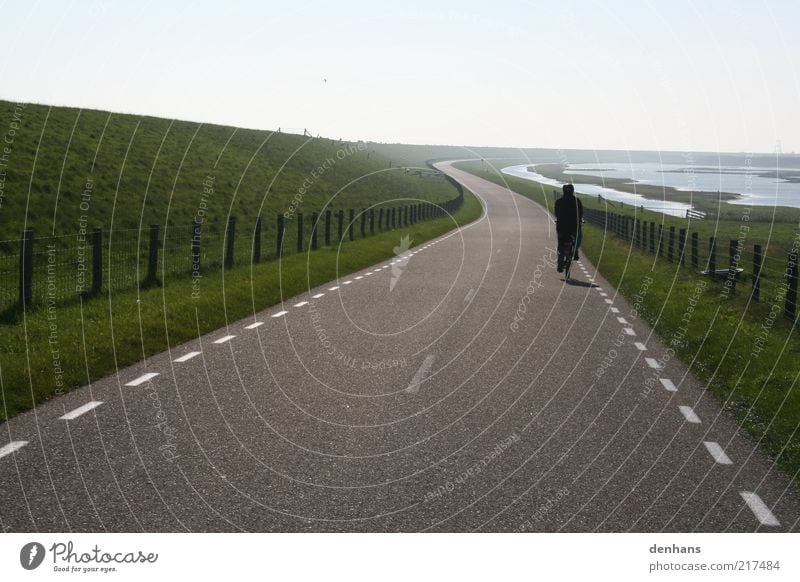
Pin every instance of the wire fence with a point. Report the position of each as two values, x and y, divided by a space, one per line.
764 275
40 271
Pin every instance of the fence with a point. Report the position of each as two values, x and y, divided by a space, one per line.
773 279
37 271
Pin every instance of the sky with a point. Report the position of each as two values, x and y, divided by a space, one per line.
703 75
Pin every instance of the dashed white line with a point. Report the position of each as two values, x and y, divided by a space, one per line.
689 414
188 356
716 451
81 410
653 363
603 294
668 384
142 379
11 447
640 346
628 330
614 310
419 377
301 304
280 314
333 288
368 274
623 320
608 301
224 339
759 509
318 295
376 270
359 277
346 282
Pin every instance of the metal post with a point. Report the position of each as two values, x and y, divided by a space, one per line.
97 261
757 265
26 268
257 241
300 233
281 232
314 229
152 254
230 237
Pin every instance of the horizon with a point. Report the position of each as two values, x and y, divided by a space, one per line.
717 78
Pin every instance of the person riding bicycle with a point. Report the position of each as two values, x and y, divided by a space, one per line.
569 216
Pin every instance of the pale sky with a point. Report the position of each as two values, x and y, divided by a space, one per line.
718 75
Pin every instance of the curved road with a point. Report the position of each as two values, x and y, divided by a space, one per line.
461 386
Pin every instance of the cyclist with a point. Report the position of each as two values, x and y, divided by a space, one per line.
569 216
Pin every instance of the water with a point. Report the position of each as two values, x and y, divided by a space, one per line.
664 206
754 183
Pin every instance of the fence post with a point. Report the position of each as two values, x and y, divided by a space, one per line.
26 268
652 237
712 257
327 228
279 236
380 219
682 247
791 288
757 262
372 221
660 240
257 241
299 232
363 222
230 237
97 261
671 244
314 226
394 217
152 254
695 251
733 263
351 225
340 221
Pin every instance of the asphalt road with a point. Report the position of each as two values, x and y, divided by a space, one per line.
461 386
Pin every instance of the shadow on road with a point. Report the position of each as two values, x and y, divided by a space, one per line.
577 283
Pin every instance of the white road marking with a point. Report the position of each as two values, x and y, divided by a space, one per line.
603 294
629 330
599 288
608 301
142 379
333 288
716 451
653 363
385 267
359 277
368 274
224 339
640 346
614 309
689 414
301 304
11 447
376 270
623 320
419 377
280 314
668 385
318 295
188 356
81 410
759 508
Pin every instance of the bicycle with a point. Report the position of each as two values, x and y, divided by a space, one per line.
568 249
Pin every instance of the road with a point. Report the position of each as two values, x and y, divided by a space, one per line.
461 386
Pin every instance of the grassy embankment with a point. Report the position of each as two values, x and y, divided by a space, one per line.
149 170
753 373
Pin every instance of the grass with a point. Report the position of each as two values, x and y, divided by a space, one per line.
752 372
119 329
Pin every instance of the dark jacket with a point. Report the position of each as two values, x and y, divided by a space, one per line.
569 214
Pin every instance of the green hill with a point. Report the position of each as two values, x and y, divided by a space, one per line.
144 170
